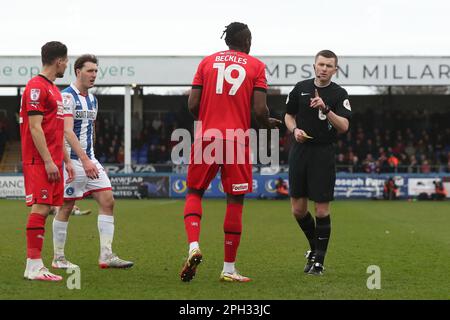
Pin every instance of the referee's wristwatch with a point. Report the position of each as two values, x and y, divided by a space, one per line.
326 109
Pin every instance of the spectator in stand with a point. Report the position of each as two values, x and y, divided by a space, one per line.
410 149
425 167
156 125
353 163
393 163
121 154
111 155
383 165
369 164
340 147
413 165
163 154
3 139
152 154
341 164
370 147
403 163
359 149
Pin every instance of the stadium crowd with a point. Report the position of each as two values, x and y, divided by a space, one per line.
378 142
150 140
3 134
396 141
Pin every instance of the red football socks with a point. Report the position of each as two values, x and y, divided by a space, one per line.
35 235
192 216
232 227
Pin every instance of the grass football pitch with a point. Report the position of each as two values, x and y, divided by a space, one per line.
408 241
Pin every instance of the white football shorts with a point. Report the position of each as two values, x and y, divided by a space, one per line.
82 186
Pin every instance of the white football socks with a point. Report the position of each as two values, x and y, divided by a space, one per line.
228 267
193 245
106 231
59 237
34 264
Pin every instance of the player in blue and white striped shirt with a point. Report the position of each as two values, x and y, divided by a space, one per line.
80 112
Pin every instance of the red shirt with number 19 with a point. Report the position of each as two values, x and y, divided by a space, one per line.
228 79
42 97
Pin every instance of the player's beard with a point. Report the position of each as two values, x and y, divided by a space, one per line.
60 74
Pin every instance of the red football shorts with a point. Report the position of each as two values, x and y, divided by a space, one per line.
235 167
38 189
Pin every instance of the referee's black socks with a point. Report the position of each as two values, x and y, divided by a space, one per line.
323 231
308 226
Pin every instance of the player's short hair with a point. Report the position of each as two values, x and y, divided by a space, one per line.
51 51
327 54
81 60
236 34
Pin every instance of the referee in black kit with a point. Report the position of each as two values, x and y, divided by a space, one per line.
317 110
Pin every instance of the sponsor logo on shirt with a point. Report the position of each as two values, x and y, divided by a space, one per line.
85 114
239 187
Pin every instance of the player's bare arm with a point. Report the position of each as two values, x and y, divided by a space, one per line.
299 135
89 167
262 111
94 136
339 123
41 145
194 101
68 165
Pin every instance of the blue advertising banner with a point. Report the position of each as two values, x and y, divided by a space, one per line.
263 186
156 185
348 186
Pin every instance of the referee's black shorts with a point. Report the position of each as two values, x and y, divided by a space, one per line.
312 172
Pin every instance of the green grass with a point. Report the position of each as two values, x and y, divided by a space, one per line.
409 241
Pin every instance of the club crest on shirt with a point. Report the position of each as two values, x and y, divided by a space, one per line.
66 101
70 191
34 94
346 105
44 194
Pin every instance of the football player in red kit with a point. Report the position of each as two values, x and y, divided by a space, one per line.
225 87
43 153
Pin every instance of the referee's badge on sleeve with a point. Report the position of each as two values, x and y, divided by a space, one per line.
347 105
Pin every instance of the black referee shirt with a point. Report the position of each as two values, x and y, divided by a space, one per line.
311 120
